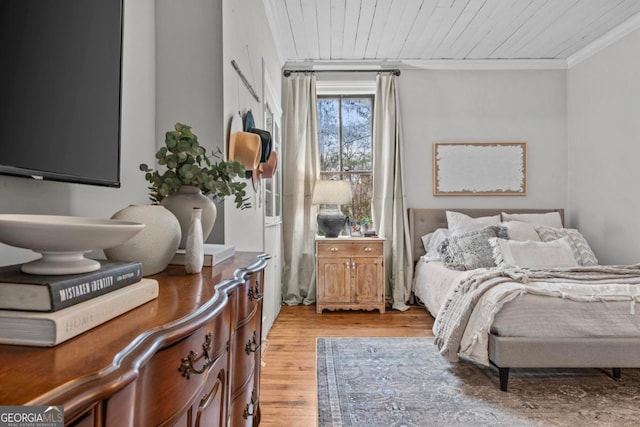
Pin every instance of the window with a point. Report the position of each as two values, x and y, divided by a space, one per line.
345 126
273 185
272 189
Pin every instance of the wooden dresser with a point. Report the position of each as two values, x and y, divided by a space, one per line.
350 274
189 358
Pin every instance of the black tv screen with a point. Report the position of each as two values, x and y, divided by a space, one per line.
60 89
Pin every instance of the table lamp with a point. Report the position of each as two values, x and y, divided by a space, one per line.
329 194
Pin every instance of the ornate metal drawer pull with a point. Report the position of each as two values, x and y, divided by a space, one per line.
368 249
250 409
334 249
187 368
254 292
252 345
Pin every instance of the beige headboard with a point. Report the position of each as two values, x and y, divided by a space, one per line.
423 221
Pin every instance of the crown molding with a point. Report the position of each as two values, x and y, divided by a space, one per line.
488 64
433 64
606 40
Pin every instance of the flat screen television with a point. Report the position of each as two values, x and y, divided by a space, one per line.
60 89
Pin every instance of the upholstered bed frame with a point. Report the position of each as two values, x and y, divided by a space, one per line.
533 352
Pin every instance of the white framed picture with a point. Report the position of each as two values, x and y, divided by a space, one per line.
480 168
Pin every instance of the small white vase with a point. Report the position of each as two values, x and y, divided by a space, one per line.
155 245
180 204
194 249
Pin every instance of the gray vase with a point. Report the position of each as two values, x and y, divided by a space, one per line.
182 202
155 245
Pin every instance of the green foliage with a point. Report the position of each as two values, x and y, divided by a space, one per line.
345 126
187 163
365 219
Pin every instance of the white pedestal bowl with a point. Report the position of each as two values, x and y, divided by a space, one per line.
63 240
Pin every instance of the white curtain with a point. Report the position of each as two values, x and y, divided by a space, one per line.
388 205
301 170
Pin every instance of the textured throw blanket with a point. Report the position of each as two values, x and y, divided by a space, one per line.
453 319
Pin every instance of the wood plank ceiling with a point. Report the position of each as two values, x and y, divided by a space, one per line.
419 30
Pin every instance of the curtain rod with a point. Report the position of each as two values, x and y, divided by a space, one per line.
287 73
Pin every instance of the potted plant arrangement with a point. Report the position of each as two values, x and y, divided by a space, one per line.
187 163
193 179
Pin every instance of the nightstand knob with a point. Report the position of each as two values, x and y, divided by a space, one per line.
368 249
334 249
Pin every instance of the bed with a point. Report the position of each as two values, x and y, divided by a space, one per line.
528 325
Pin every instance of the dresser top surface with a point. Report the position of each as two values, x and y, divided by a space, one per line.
321 239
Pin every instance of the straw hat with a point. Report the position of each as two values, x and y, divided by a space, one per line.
246 148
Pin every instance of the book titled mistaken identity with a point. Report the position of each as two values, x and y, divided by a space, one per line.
22 291
49 329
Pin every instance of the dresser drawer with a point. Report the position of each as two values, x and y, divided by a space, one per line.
349 249
249 295
244 346
244 406
183 372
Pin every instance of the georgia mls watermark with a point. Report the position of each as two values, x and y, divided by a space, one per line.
31 416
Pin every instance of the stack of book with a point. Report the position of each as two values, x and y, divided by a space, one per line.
43 311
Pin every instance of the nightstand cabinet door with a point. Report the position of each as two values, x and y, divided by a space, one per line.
335 276
366 281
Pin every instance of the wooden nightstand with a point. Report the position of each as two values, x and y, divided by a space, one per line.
350 274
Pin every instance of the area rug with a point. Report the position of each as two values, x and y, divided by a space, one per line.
405 382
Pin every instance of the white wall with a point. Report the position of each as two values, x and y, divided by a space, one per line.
20 195
189 77
604 137
507 106
248 41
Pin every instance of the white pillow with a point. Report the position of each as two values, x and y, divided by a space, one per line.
530 254
459 223
431 242
522 231
425 241
550 219
581 250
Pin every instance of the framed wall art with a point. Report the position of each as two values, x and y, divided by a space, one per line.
479 168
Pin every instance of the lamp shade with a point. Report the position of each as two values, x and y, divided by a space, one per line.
329 192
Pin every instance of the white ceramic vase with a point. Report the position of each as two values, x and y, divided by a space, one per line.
194 249
155 245
181 204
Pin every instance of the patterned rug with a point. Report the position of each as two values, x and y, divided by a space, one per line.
405 382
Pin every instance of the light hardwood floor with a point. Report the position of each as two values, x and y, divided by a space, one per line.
288 394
